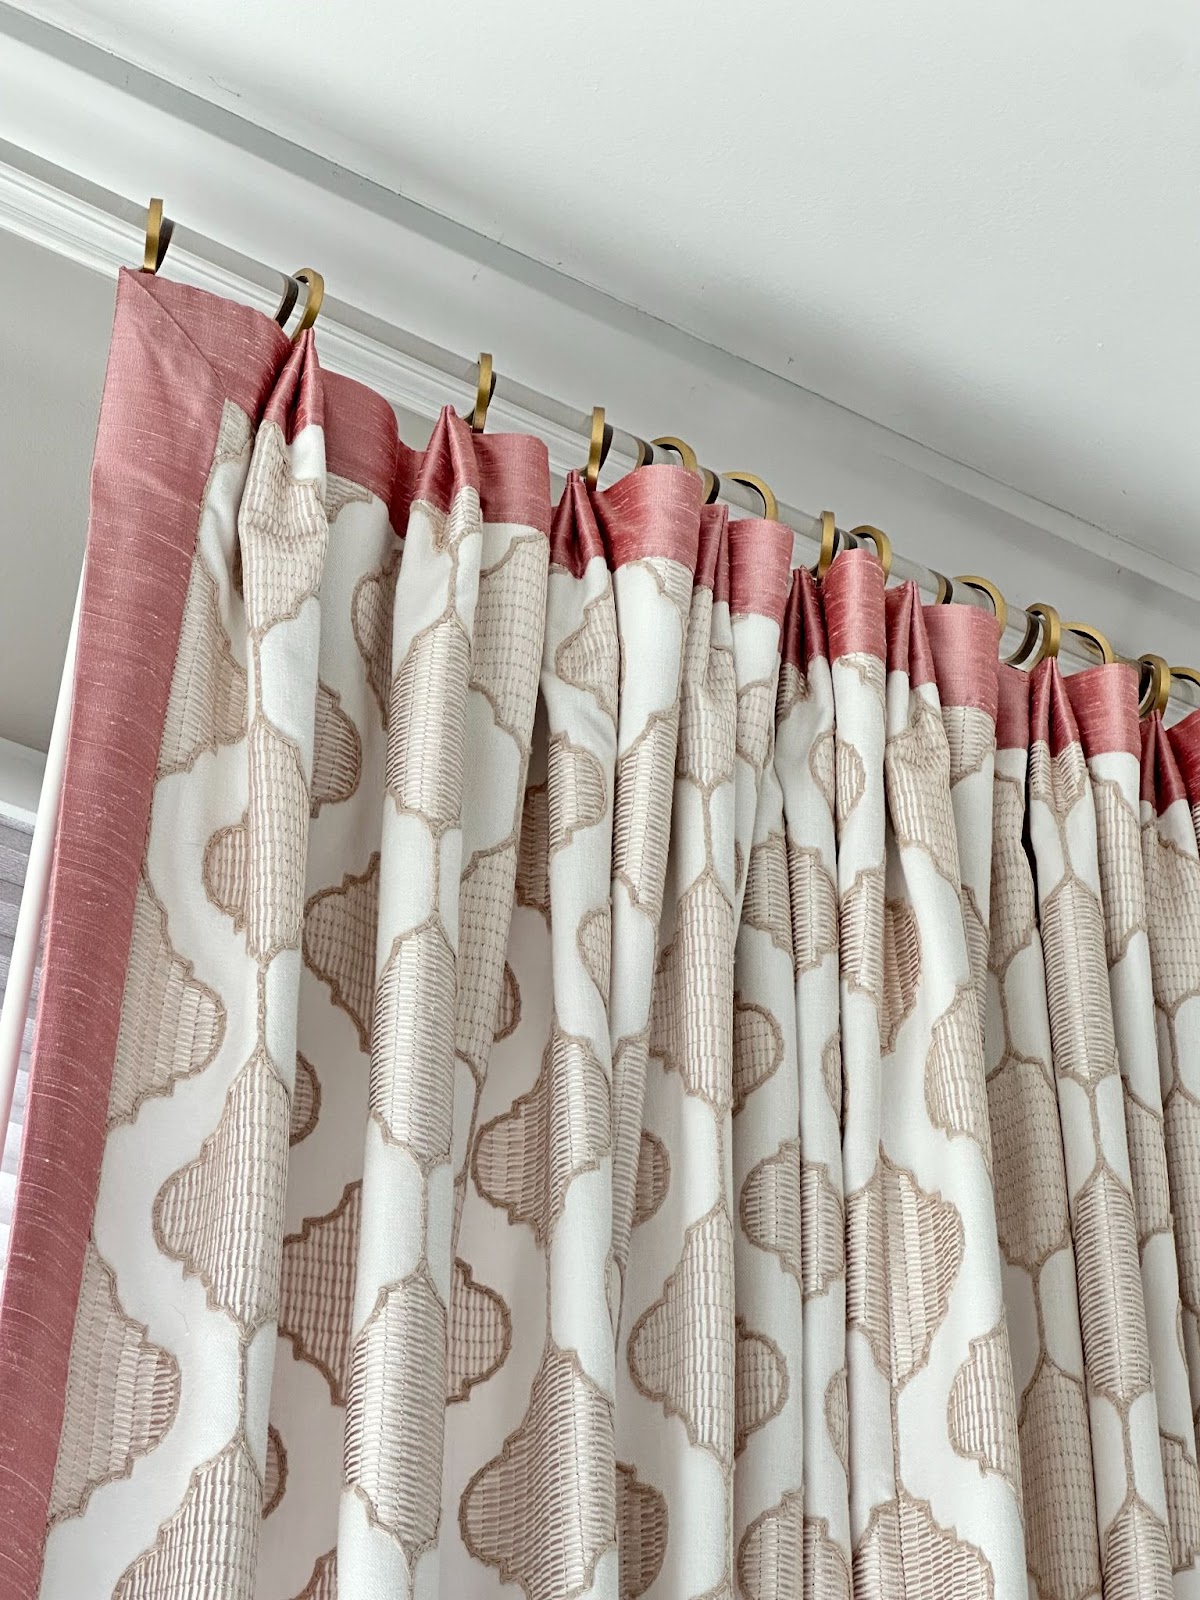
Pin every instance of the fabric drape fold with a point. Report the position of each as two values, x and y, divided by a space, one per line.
576 1058
1130 1496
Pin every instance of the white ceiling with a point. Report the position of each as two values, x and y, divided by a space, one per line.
976 224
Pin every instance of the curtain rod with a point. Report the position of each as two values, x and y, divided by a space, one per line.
510 395
521 407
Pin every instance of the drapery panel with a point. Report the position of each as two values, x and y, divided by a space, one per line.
577 1059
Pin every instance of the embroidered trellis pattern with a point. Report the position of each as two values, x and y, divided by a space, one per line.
638 1071
1131 1501
1172 881
1032 1213
1102 703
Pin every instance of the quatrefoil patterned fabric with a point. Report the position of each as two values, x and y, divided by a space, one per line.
576 1059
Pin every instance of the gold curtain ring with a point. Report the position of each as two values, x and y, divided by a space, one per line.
597 447
158 237
315 284
645 454
828 544
686 454
945 588
485 388
712 485
1158 690
986 587
883 545
1051 633
1092 636
762 489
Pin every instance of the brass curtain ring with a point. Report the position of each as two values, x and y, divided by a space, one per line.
158 237
1051 633
485 388
712 485
1158 689
828 544
1092 636
686 454
598 447
986 587
645 453
883 545
762 489
315 284
287 300
945 589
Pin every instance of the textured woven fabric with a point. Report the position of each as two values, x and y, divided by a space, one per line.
576 1059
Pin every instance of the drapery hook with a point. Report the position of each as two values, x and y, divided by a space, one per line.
762 489
598 447
158 237
682 449
485 388
1158 687
883 545
1092 636
987 588
1051 633
828 544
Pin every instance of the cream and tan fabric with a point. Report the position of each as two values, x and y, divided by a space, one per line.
576 1059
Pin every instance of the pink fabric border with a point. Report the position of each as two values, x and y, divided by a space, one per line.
853 592
907 642
297 399
1184 739
654 511
964 644
509 471
803 639
760 567
1162 781
574 537
176 355
1105 702
361 443
712 554
1051 715
1012 709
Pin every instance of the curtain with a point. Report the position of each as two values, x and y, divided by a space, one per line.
574 1057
